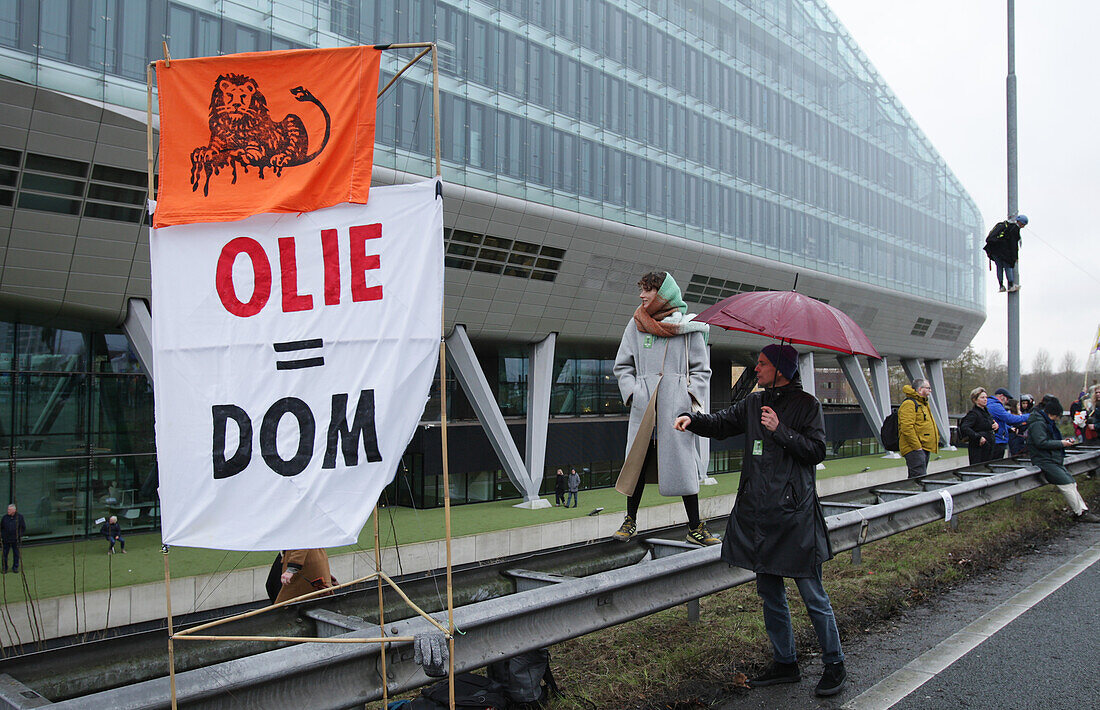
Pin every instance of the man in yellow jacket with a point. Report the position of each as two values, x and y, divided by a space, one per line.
917 433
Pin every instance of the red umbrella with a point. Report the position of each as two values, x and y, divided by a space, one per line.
789 316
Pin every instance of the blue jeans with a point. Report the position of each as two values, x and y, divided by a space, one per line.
1004 270
777 616
571 496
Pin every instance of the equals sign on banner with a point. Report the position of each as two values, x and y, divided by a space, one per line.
299 348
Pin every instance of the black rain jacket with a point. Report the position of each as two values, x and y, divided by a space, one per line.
977 423
776 526
1003 243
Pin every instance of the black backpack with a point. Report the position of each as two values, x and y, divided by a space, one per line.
888 432
471 692
527 679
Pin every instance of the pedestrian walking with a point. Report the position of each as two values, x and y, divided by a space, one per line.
12 529
1048 451
663 368
917 433
777 528
574 486
979 428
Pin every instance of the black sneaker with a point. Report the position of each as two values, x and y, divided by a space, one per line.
1087 517
777 673
626 530
832 679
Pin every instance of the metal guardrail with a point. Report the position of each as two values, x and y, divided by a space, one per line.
347 676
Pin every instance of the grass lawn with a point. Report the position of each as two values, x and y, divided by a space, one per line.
60 568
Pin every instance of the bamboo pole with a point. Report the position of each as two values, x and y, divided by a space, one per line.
149 130
411 603
397 76
171 647
297 639
381 609
277 605
148 197
435 111
443 415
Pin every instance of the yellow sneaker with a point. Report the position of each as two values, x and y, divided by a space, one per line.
701 536
626 530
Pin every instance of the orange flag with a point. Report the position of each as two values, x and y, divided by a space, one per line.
245 134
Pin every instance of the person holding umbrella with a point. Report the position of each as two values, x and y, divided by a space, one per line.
663 368
777 528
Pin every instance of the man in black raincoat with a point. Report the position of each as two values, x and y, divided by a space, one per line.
777 528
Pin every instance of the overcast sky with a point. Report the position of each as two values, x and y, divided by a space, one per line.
946 60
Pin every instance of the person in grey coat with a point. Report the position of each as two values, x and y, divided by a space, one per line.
574 486
663 368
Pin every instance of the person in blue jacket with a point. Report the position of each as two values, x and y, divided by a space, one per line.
1004 418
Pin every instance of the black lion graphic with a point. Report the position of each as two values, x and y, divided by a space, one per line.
243 134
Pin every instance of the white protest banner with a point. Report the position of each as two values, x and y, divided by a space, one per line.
293 355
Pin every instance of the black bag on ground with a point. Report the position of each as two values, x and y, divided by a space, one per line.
527 679
471 691
888 432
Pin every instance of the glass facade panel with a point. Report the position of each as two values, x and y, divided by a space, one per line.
668 115
76 431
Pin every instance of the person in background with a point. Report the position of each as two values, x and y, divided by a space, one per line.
663 368
1004 418
1048 451
1017 440
917 433
1078 415
777 528
560 486
12 529
574 486
113 532
1002 246
979 428
304 571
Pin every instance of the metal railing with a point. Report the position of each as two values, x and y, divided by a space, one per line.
346 676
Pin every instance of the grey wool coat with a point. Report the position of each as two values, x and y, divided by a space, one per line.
685 364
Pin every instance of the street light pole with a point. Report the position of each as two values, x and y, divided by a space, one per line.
1013 204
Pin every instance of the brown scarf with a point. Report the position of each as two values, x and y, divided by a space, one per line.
651 322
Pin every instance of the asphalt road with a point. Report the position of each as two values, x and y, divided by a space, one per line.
1024 636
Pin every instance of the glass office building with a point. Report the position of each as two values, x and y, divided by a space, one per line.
752 136
755 126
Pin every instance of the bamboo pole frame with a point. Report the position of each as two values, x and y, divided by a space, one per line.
379 576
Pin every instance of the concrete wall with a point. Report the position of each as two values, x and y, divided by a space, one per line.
93 611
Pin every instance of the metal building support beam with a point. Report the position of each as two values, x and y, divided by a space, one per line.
702 443
939 402
461 356
913 369
809 380
139 330
880 385
540 379
871 410
806 372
